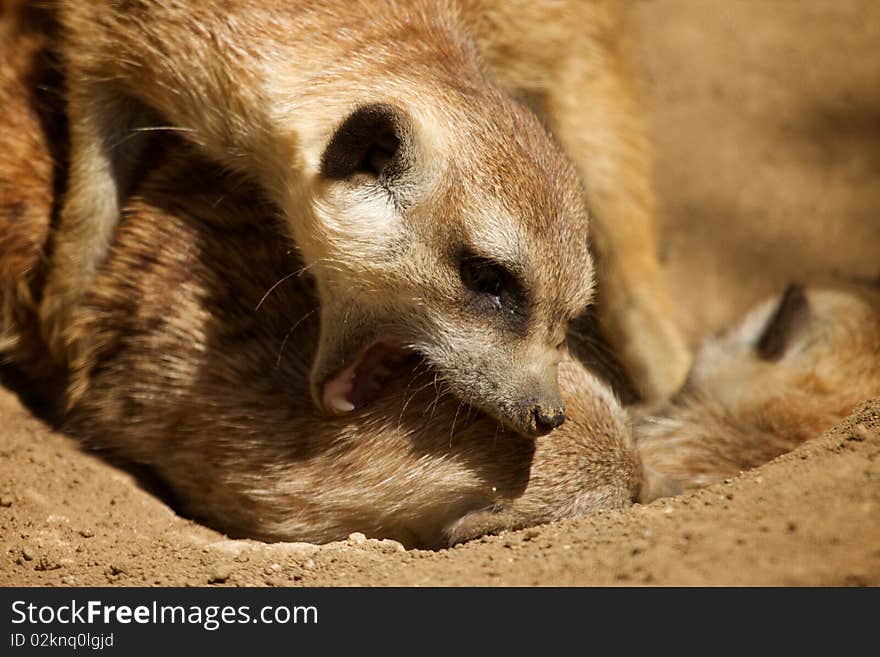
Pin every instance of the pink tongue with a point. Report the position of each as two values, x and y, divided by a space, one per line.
358 384
337 391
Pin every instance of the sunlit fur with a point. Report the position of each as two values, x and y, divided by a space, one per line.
194 370
739 410
259 88
188 373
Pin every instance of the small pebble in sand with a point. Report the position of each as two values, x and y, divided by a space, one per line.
357 538
26 554
294 549
45 563
220 575
229 547
389 547
859 433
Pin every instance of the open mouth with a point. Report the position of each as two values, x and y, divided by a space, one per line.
362 381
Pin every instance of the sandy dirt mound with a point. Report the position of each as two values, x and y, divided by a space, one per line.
766 117
809 517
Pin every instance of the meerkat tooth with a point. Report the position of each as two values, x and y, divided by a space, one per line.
341 405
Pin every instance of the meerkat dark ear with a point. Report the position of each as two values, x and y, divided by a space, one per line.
369 141
792 312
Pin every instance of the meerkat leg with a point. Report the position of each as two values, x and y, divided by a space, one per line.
592 112
104 145
484 522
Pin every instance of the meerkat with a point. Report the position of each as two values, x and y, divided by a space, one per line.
435 212
794 367
183 376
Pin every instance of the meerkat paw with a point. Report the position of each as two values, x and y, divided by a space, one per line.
656 485
650 345
56 318
482 523
658 356
81 245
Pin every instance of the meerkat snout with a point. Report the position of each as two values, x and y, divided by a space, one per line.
539 414
545 418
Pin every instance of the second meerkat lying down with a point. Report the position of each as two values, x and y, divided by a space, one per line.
434 211
794 367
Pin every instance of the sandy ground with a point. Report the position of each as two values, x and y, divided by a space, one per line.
766 117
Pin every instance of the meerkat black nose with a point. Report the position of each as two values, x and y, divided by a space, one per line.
544 420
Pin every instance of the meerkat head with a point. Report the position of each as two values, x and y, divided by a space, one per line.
813 339
450 242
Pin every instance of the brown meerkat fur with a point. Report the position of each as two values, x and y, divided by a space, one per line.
794 367
186 374
431 207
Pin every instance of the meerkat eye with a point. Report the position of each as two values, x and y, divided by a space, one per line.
483 276
495 290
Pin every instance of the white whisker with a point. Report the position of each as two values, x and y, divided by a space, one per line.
269 291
